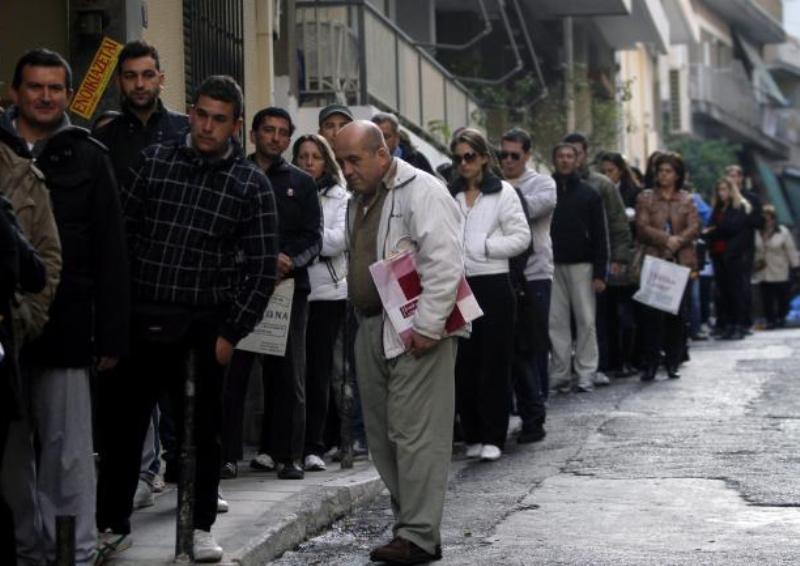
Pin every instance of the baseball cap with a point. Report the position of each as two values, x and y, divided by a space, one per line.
332 109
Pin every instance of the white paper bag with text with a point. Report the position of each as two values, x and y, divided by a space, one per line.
662 284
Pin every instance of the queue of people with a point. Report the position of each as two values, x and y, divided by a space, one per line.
150 247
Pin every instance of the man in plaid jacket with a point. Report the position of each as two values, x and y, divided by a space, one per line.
202 232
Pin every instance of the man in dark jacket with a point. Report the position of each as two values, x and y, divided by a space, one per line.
300 220
580 253
201 226
144 120
399 147
88 318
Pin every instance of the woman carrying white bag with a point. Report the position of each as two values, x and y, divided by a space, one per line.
667 225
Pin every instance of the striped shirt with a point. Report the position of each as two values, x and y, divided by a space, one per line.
202 233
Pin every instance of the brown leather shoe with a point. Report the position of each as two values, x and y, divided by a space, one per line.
402 551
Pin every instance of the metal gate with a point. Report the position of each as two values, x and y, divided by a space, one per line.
213 38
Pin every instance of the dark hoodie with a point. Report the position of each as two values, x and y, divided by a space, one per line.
579 225
90 313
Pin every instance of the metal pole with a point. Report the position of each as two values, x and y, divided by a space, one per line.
363 90
346 400
569 72
184 539
65 540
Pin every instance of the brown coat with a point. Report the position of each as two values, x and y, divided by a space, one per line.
23 184
653 211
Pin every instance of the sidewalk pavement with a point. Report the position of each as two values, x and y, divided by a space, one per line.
267 516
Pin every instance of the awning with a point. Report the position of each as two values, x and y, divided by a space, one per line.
765 85
683 26
791 184
647 23
774 192
581 7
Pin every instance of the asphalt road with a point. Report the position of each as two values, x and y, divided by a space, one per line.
702 470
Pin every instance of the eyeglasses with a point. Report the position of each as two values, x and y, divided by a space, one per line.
503 155
468 157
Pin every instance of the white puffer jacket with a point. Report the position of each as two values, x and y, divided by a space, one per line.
495 228
328 273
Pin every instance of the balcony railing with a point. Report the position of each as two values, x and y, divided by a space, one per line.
726 93
351 53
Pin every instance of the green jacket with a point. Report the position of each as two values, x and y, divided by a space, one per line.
619 232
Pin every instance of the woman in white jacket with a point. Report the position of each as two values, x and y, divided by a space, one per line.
327 300
495 229
776 257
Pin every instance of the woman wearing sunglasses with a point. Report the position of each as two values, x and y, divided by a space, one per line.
495 229
326 302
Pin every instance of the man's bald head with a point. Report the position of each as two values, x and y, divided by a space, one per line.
362 155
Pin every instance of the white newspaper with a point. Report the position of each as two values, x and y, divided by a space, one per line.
272 333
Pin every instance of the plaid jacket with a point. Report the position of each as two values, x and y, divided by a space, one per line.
202 234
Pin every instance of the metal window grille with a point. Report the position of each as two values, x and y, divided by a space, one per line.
213 36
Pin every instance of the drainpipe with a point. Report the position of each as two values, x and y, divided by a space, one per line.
569 72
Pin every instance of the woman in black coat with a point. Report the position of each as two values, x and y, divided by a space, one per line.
729 234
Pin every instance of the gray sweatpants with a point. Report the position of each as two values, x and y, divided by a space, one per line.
63 480
409 405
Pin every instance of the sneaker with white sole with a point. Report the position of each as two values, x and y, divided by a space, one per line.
474 450
584 386
143 496
110 545
263 462
600 379
314 463
222 505
490 453
205 548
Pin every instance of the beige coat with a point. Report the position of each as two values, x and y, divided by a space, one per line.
23 184
777 255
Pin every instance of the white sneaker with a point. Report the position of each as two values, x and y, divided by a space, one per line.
474 450
584 386
263 462
143 496
600 379
205 548
109 545
314 463
490 453
222 505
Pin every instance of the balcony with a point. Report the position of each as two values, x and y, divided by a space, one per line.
725 103
755 19
350 53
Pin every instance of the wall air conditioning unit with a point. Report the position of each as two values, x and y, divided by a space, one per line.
679 104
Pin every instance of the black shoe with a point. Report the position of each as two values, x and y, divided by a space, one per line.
229 471
673 373
648 374
402 551
531 436
291 472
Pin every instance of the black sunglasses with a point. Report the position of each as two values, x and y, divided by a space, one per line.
512 154
468 157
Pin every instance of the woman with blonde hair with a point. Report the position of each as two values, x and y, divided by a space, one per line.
776 256
328 296
729 235
495 230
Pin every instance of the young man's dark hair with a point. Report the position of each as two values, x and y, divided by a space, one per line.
563 145
224 88
273 112
518 135
136 49
577 137
41 57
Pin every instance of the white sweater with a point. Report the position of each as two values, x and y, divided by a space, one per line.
328 273
495 229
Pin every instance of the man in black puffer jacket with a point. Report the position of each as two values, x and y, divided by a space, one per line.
89 317
580 254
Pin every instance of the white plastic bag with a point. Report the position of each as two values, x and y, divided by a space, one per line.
662 284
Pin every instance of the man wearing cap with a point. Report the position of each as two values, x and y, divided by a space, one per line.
333 118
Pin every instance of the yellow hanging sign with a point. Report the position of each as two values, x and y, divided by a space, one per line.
96 80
